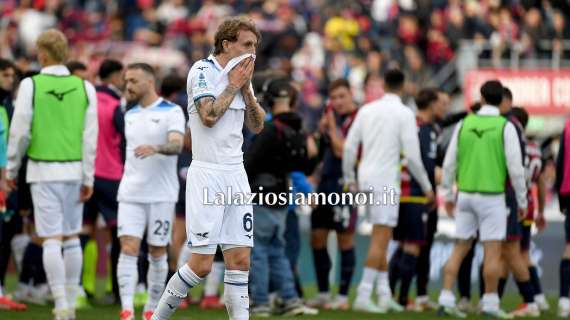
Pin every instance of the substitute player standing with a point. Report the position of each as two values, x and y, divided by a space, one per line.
154 130
484 151
385 128
55 125
221 101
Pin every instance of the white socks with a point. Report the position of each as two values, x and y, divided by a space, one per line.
127 278
446 298
235 294
490 302
55 271
563 303
19 244
366 285
183 256
213 279
73 260
155 279
176 290
383 286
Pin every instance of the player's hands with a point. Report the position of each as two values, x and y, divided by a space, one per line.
145 150
431 201
521 213
241 73
540 221
450 208
85 193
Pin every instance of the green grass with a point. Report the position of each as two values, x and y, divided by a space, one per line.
101 312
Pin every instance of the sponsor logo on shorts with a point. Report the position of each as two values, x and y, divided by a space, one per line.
203 235
249 235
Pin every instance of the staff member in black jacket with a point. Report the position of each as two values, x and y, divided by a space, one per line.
278 150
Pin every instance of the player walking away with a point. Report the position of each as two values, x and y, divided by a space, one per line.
512 259
334 126
55 125
221 100
563 188
413 215
154 131
484 148
385 128
533 165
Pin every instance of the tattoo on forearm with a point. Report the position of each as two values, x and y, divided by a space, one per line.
254 116
170 148
210 110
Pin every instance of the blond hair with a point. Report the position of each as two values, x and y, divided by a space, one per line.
54 43
229 30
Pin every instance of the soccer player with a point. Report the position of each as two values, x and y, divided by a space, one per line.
148 192
384 127
334 126
563 188
55 125
422 302
534 167
221 100
413 216
483 151
512 256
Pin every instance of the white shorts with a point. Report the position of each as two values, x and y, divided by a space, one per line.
209 224
385 207
154 218
483 212
57 208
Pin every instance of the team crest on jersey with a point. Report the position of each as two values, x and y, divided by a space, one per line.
202 81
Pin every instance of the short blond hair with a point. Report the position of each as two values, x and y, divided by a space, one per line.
54 43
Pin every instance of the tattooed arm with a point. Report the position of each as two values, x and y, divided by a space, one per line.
210 109
254 113
172 147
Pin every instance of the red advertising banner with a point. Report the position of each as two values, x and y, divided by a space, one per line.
541 92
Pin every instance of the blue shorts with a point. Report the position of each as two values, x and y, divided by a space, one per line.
514 226
412 223
525 239
337 218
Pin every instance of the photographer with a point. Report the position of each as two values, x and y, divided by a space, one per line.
279 149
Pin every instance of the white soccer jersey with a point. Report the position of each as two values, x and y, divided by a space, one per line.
152 179
221 144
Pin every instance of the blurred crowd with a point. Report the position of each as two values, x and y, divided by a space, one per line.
314 41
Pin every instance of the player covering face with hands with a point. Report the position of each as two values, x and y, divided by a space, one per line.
221 101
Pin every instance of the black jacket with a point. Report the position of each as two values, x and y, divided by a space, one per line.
266 160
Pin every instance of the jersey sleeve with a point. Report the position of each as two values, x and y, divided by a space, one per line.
200 81
176 120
